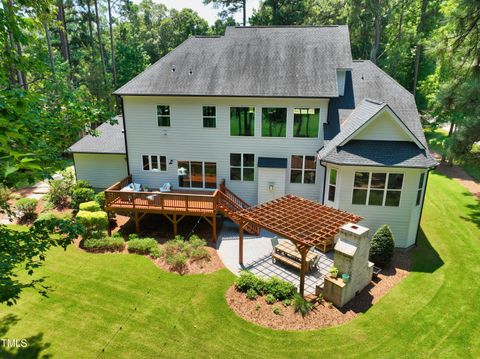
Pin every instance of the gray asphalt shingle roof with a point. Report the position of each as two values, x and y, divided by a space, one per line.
291 61
380 153
110 140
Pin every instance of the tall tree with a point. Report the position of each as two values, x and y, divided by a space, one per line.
100 44
112 45
63 34
229 7
419 45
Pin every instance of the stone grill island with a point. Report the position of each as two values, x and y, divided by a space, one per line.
351 257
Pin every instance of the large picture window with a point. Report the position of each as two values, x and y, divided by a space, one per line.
242 167
242 121
154 163
377 189
332 185
302 169
163 115
306 122
197 174
274 122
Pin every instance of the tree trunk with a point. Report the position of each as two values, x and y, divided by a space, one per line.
90 29
400 22
376 38
244 12
64 48
112 45
49 45
419 46
100 47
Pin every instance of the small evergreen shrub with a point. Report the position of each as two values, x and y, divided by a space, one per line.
248 280
251 294
301 305
61 189
26 207
277 311
148 246
382 246
270 299
104 244
280 289
178 262
91 206
93 222
81 195
48 216
100 199
287 302
82 184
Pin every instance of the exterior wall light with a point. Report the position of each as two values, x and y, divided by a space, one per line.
271 186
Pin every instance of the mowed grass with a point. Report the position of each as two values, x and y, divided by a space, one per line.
122 306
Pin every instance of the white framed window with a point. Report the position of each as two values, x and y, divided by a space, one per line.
303 169
242 167
421 184
154 163
209 116
377 189
163 115
197 174
332 185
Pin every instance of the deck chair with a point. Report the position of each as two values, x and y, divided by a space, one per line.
167 187
274 241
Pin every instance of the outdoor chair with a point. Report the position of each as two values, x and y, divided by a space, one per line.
274 241
167 187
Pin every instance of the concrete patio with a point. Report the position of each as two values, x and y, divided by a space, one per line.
257 258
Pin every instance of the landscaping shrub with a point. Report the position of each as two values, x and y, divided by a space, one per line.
91 206
301 305
193 249
93 222
26 207
287 302
81 195
5 194
144 246
104 244
270 299
82 184
280 289
100 199
251 294
248 280
276 311
382 246
178 262
58 193
47 216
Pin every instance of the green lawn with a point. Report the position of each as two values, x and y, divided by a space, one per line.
130 308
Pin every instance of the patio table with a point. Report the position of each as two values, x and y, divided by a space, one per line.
288 249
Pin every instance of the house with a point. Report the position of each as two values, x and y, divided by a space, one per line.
273 111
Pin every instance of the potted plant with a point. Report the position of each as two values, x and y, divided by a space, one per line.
333 272
345 277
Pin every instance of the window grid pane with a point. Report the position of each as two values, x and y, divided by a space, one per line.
242 121
274 122
146 164
306 122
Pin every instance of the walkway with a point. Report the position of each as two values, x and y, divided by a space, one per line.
257 258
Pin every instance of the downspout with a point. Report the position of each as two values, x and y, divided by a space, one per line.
423 203
74 167
324 176
125 135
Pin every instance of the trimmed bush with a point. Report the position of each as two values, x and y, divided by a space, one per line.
301 305
382 246
92 222
248 280
100 199
280 289
270 299
277 311
81 195
147 246
48 216
104 244
82 184
91 206
251 294
26 207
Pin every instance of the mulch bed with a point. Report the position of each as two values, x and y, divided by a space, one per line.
324 314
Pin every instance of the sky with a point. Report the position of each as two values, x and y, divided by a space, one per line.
205 11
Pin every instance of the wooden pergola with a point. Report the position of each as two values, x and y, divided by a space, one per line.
306 223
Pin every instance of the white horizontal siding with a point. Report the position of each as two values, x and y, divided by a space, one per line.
403 220
383 127
101 170
186 139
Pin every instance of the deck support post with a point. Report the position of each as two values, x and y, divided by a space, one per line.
109 227
240 245
214 228
137 222
303 269
175 228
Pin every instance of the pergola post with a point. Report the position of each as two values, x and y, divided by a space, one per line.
240 245
303 268
137 222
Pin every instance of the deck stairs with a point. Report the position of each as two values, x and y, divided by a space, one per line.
229 204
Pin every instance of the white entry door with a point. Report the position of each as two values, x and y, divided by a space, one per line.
271 183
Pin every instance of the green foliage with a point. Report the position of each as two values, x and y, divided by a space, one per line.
176 249
333 271
178 262
287 302
301 305
144 246
276 310
270 299
382 246
25 250
104 244
82 184
251 294
93 222
100 199
279 289
5 194
81 195
247 280
26 207
48 216
91 206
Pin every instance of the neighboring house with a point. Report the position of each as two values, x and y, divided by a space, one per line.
101 159
278 110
